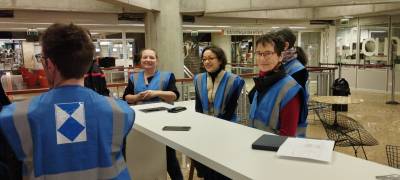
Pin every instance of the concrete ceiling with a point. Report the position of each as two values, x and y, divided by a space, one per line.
329 12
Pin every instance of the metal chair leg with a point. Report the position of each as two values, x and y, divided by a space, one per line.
365 154
191 170
355 151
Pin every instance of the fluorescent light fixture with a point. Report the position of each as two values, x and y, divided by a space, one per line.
275 27
94 33
378 31
204 26
104 43
114 49
204 31
97 49
297 27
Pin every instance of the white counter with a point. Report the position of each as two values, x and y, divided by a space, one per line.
226 147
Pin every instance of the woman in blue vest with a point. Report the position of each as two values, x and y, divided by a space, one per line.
150 86
217 93
278 104
294 59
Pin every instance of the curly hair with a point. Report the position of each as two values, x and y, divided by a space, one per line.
70 48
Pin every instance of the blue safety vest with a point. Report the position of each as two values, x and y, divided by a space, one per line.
264 115
159 82
227 86
68 133
293 66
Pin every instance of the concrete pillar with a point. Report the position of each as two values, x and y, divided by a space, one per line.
223 42
124 47
164 33
331 50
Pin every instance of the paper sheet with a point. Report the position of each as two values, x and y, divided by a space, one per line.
320 150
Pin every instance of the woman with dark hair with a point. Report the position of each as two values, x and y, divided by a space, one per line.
294 59
150 86
278 104
217 93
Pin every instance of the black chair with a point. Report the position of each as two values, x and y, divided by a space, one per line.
345 131
393 155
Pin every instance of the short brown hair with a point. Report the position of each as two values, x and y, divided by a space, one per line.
70 48
271 38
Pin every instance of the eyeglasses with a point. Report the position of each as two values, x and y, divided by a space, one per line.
208 59
264 54
41 58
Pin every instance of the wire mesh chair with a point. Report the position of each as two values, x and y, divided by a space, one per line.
345 131
393 155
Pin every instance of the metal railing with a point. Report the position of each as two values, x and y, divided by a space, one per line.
323 78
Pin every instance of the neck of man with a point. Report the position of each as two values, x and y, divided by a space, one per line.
69 82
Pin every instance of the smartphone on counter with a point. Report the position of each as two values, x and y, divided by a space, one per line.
154 109
176 128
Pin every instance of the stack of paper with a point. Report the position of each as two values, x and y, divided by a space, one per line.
320 150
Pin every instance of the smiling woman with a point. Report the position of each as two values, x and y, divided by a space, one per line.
150 86
217 93
278 101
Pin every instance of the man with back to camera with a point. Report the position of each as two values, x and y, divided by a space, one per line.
69 132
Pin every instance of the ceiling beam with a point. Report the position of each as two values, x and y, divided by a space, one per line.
144 5
219 6
331 12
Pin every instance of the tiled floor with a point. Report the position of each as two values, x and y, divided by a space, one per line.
378 118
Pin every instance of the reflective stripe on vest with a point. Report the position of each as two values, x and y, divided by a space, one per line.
95 173
161 78
293 66
273 121
21 123
201 81
228 88
118 126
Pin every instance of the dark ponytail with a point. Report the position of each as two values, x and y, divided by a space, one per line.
301 56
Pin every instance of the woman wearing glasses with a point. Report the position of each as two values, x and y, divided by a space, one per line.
277 100
217 93
150 86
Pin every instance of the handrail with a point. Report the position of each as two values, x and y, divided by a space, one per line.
187 72
378 66
180 80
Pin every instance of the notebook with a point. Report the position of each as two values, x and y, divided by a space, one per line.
268 142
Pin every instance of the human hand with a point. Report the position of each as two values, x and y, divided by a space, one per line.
145 95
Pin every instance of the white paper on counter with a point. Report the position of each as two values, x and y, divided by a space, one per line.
320 150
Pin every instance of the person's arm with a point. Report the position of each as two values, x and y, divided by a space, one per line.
289 117
129 94
166 96
169 95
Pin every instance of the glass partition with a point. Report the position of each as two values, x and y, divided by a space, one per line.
311 43
346 44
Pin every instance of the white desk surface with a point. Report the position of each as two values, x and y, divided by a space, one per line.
226 147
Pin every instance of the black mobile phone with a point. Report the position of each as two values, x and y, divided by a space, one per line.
154 109
176 109
176 128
